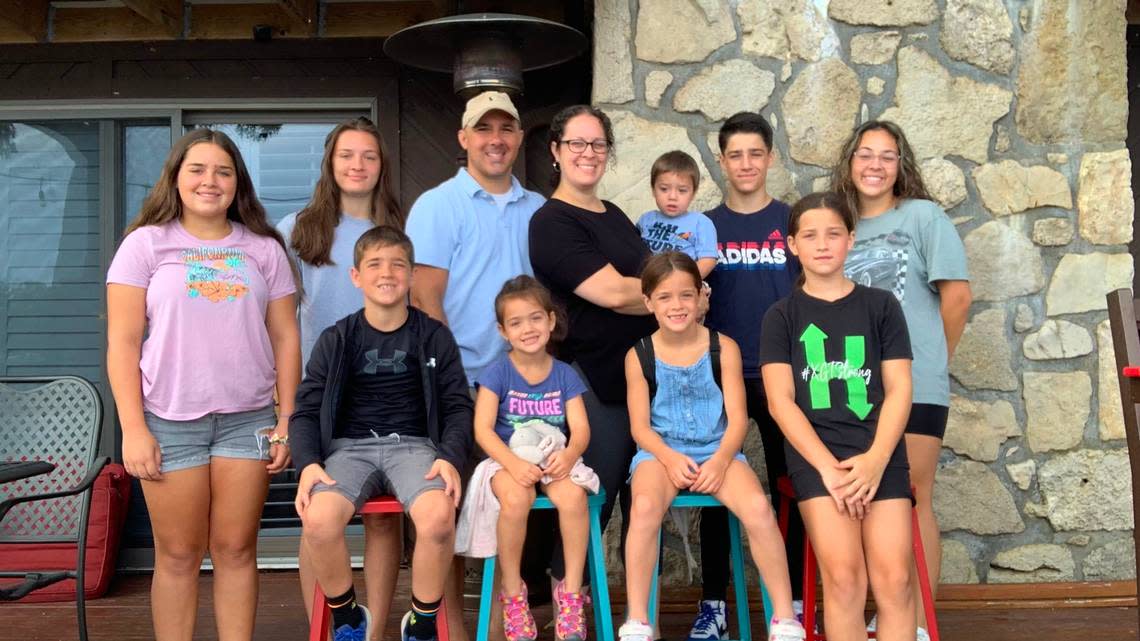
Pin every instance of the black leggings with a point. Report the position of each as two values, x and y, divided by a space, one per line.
714 520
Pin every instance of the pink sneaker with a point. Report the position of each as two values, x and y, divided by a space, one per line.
518 624
570 621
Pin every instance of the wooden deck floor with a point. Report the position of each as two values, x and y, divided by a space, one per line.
124 615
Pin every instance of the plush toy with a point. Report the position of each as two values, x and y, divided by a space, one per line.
535 440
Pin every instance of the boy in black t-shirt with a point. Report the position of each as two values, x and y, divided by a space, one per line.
754 270
384 409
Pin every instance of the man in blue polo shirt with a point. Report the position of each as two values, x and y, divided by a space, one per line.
470 231
470 236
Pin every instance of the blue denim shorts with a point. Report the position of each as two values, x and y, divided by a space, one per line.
186 444
698 452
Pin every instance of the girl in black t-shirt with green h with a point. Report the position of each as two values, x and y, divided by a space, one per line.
835 359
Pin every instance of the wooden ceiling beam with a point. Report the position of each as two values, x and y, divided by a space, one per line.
29 16
166 13
303 13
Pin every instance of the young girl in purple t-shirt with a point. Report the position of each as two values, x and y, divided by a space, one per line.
524 385
201 336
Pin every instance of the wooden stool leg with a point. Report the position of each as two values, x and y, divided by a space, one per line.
322 617
923 578
739 586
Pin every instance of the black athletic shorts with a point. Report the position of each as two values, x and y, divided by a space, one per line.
927 419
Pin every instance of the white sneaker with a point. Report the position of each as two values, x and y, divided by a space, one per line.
711 623
633 630
786 630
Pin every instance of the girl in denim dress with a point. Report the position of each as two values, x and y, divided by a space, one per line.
689 434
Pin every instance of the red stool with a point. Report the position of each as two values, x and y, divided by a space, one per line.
787 495
322 616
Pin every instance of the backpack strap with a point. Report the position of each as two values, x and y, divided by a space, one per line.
644 349
714 356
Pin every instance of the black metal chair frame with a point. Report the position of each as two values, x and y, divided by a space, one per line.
18 388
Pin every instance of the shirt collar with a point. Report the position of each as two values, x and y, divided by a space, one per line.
473 188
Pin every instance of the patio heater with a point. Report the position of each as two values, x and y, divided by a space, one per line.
485 51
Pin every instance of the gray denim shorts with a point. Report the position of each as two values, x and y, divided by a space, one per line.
186 444
392 464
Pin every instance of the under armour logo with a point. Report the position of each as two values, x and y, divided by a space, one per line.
374 362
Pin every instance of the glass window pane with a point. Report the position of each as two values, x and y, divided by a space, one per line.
284 161
144 151
51 277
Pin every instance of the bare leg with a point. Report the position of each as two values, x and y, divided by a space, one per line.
515 502
238 490
838 545
323 537
179 507
383 545
453 599
433 514
653 492
887 546
922 453
574 525
742 495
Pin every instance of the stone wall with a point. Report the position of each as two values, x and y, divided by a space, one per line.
1018 111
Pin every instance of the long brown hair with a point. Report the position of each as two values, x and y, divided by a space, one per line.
313 231
908 184
163 204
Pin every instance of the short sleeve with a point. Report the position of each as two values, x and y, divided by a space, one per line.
706 237
432 227
278 273
133 263
893 334
561 250
642 222
943 248
775 339
571 384
493 377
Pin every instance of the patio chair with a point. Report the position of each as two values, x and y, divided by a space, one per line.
1122 313
58 420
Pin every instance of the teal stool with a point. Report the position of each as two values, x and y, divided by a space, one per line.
739 587
595 561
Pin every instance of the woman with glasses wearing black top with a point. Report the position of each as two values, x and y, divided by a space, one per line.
589 254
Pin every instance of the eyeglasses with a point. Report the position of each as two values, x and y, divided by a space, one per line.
867 156
578 145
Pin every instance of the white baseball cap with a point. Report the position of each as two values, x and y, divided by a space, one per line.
485 102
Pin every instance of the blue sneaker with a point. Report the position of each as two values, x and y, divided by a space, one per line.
406 629
711 624
362 632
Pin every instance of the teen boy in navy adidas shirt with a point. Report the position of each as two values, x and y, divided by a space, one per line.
754 270
384 409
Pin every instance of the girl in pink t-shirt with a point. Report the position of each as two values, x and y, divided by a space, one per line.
202 335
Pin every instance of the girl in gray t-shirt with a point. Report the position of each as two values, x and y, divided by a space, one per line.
905 243
353 194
